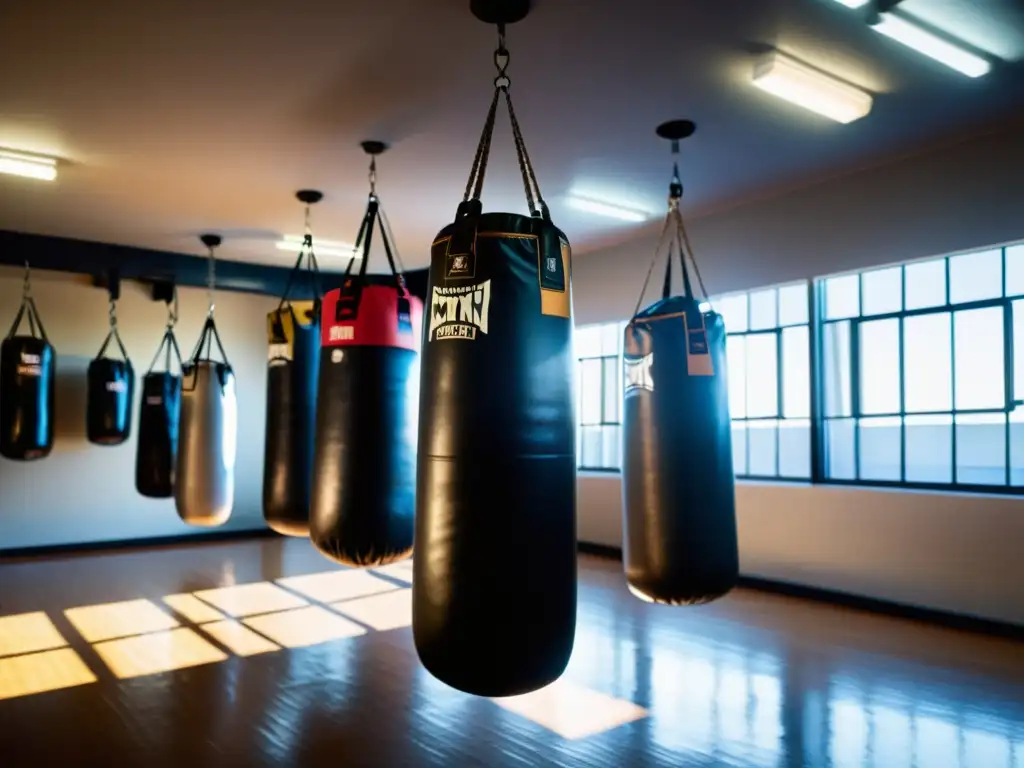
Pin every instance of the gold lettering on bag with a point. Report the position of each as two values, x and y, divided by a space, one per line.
341 333
459 312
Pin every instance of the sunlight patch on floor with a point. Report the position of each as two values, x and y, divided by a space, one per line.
28 633
390 610
303 627
238 638
158 652
250 599
42 672
192 608
331 586
109 620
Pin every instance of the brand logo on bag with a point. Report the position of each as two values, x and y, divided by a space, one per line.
552 264
459 313
30 365
116 386
154 400
342 333
337 356
279 354
638 373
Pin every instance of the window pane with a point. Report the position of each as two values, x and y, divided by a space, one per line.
926 284
611 337
842 297
839 449
739 448
929 451
835 361
590 447
981 449
763 437
611 448
880 366
976 276
587 341
1017 447
879 449
979 358
733 310
736 360
612 389
762 375
1015 270
1017 310
793 304
795 448
927 363
796 372
883 291
763 310
590 391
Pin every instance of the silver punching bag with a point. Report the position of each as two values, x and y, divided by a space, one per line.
679 528
204 488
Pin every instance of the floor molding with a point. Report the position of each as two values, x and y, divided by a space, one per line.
98 547
856 602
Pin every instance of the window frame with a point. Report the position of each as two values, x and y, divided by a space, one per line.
580 423
820 420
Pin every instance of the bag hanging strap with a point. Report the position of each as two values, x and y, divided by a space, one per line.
28 309
471 205
209 335
169 343
312 267
112 334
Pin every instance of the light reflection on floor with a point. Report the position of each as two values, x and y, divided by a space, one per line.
729 702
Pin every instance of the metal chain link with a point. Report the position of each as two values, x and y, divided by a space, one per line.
211 280
26 288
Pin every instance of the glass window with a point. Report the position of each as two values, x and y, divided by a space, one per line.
769 363
599 381
926 395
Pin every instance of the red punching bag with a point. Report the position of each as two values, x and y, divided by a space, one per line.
364 454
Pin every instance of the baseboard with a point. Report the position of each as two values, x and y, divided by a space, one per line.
96 547
856 602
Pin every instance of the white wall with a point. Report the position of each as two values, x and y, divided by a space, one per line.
954 552
84 493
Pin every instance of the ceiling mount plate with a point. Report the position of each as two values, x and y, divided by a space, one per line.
210 241
373 147
309 196
500 11
674 130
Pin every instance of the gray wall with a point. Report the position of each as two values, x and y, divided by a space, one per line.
84 493
953 552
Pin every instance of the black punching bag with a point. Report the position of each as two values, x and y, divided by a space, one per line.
293 331
109 389
494 571
157 446
679 528
365 453
26 388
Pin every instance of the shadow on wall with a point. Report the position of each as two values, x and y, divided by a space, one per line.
69 418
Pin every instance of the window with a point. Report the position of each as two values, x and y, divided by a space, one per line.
769 372
600 379
918 373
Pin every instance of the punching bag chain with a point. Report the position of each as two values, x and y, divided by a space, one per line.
112 312
211 280
26 287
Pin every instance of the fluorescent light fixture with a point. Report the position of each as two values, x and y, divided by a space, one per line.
912 36
798 84
321 247
853 3
29 166
590 205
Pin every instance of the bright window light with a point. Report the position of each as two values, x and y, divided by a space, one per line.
930 45
293 243
799 84
853 3
589 205
29 166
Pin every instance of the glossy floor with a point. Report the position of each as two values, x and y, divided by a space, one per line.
261 653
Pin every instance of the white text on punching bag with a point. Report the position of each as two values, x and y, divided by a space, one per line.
342 333
459 312
116 386
30 365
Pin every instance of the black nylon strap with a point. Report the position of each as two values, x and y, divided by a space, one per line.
207 337
168 344
115 336
374 219
28 309
312 271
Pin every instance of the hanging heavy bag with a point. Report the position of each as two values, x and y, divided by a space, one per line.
293 361
26 386
292 370
363 503
157 446
494 585
110 387
679 528
204 487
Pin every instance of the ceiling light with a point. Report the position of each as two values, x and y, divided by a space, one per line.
853 3
320 247
930 45
29 166
605 209
808 88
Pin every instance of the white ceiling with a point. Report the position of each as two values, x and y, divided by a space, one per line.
180 117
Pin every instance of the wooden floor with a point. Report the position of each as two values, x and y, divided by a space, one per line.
212 655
